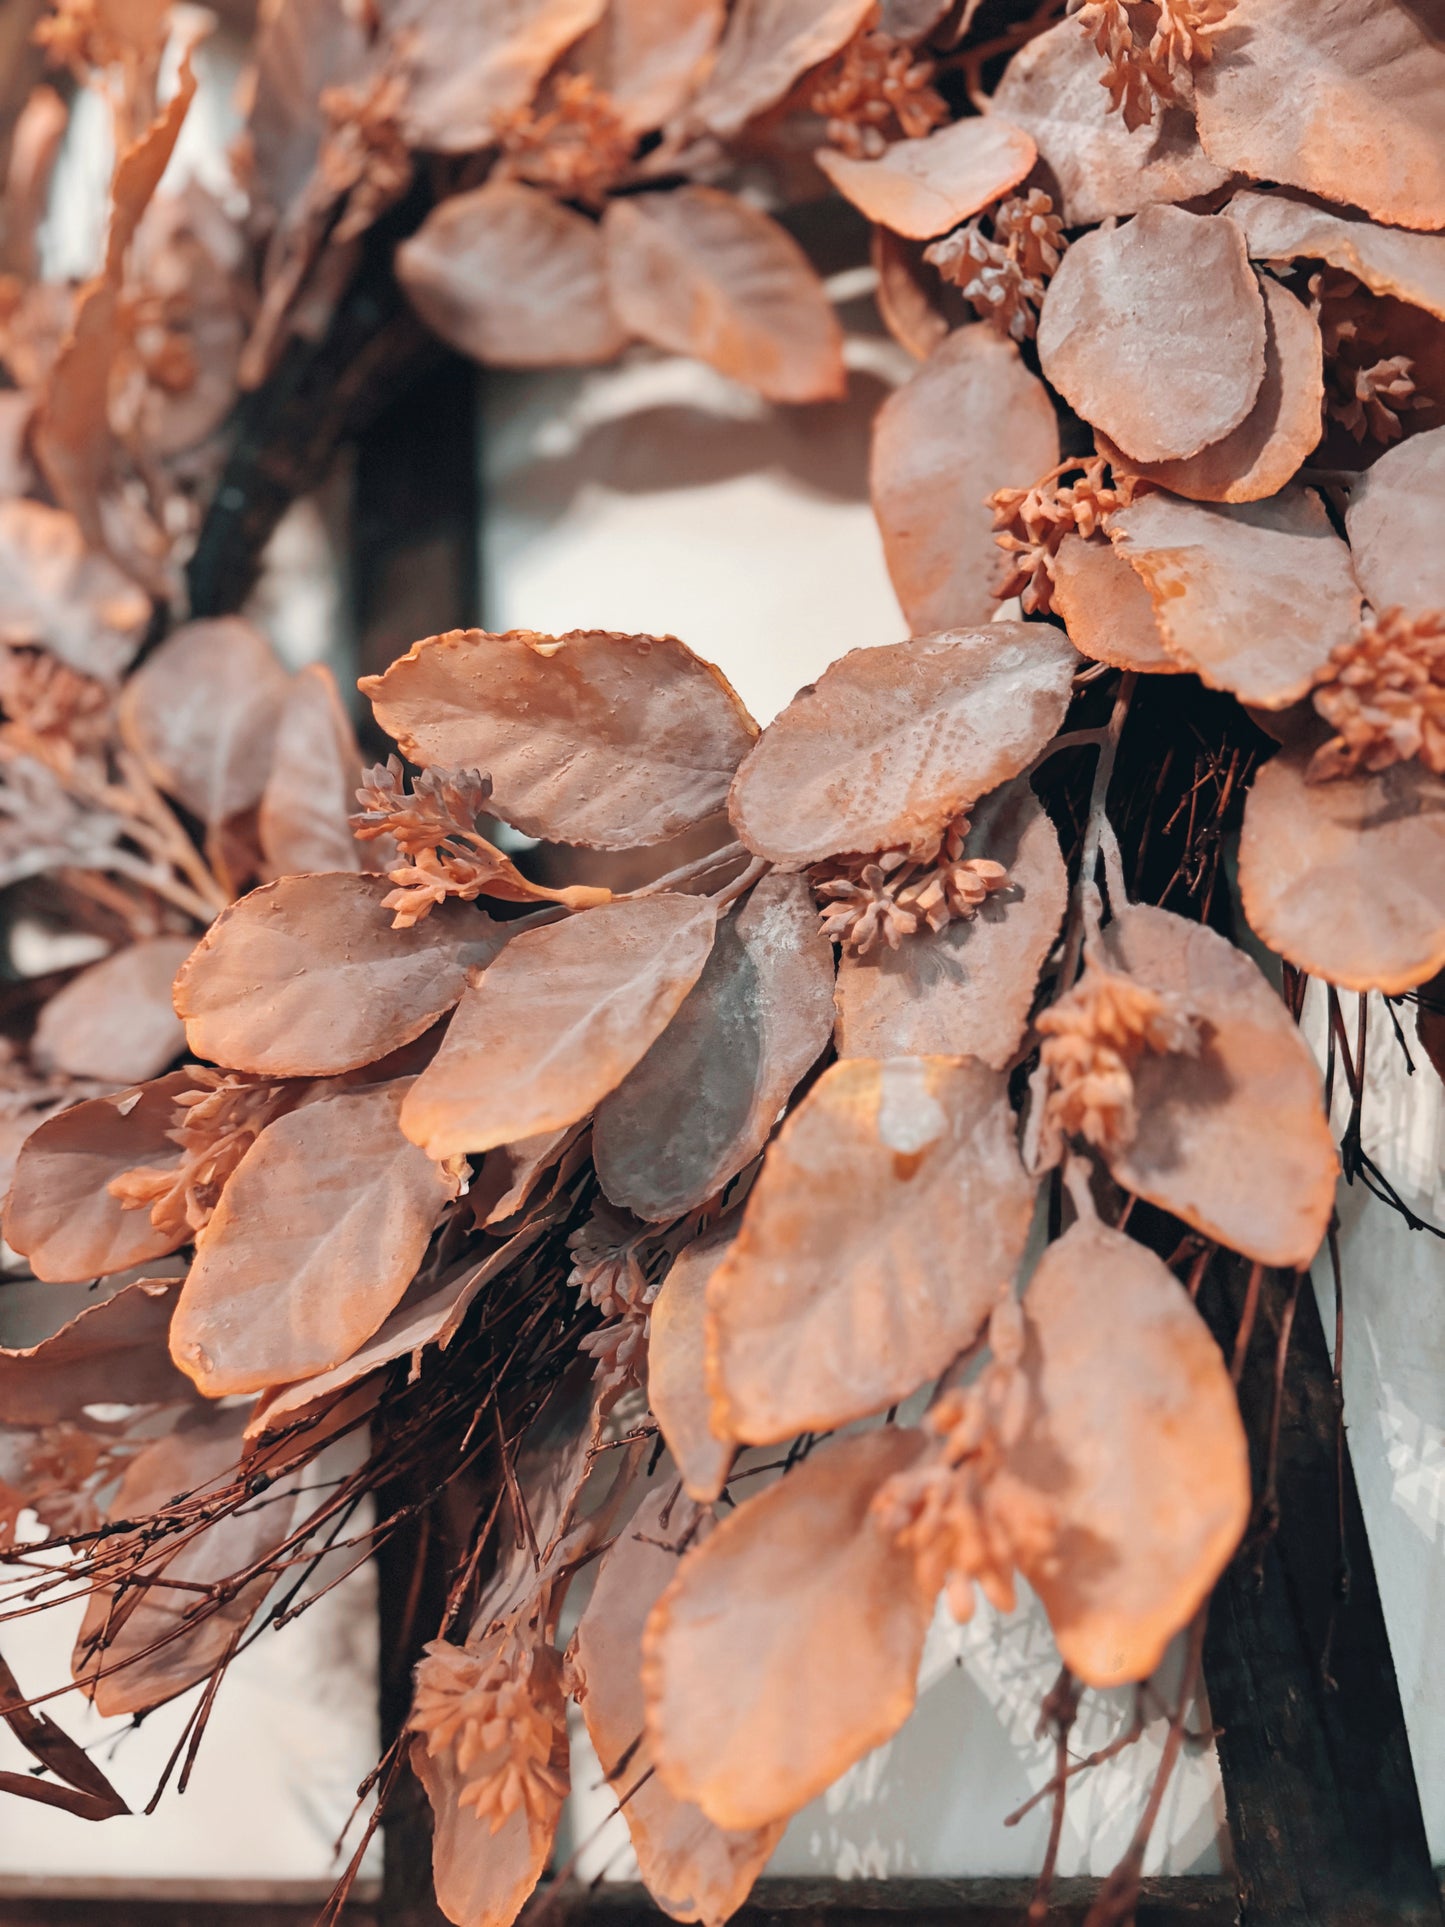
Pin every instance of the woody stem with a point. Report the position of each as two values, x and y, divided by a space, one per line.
1094 829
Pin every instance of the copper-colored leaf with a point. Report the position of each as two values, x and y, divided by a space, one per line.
908 293
692 1869
891 742
1106 608
115 1021
109 1346
1133 1437
966 990
306 977
888 1217
201 713
1257 458
468 67
1155 332
788 1645
57 594
1347 878
1254 1082
311 788
768 44
604 740
508 275
59 1213
1394 521
1251 596
317 1235
1344 101
558 1021
1098 167
923 187
1280 227
677 1360
647 55
702 273
972 419
703 1100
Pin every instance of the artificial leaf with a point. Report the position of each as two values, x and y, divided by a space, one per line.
106 1346
1252 596
511 1172
1394 526
1254 1082
887 1219
692 1869
1342 99
1106 608
788 1645
115 1021
891 742
701 1103
966 990
1134 1440
508 275
1155 332
920 188
59 1212
1347 878
316 1236
908 293
972 417
1282 227
201 713
701 273
1257 458
57 594
677 1364
558 1021
305 977
768 44
302 49
467 69
604 740
311 786
647 55
1096 166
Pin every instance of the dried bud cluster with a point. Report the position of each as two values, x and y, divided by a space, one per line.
886 898
1093 1036
498 1710
877 89
608 1271
1030 523
577 147
216 1123
1384 695
1149 48
1366 390
1004 276
435 826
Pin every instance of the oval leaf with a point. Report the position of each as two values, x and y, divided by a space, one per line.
604 740
676 1364
468 69
1394 525
768 44
115 1021
923 187
647 55
311 789
58 594
1106 608
891 742
557 1022
118 1343
1278 227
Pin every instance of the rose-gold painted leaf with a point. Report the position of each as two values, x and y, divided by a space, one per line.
677 1360
605 740
1257 458
59 1213
647 55
510 1173
1106 608
1394 521
468 67
888 1216
557 1022
1251 596
891 742
301 48
909 294
1051 88
201 713
317 1235
306 977
692 1869
972 419
1254 1082
701 273
924 187
1155 332
1279 227
788 1645
508 275
115 1022
966 990
110 1346
311 789
17 473
1343 99
768 44
703 1100
1134 1437
202 1452
57 594
1347 878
